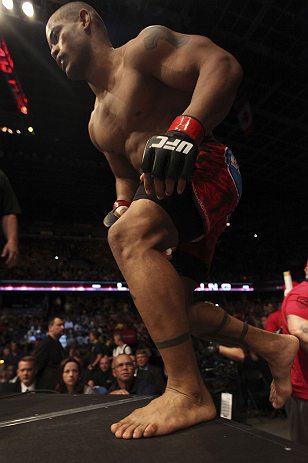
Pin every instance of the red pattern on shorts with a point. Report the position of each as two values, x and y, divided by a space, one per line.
216 195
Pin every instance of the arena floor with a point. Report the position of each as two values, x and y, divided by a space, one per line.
60 428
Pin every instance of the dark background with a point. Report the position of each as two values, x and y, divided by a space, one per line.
59 177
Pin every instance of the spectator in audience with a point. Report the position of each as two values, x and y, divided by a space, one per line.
97 351
269 308
274 322
49 353
121 348
9 208
133 359
11 375
80 339
14 356
236 354
149 372
26 381
2 373
68 325
69 378
103 376
294 312
126 382
263 321
108 346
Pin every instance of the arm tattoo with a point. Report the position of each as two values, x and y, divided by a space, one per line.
161 33
304 328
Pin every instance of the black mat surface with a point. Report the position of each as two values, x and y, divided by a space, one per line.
75 429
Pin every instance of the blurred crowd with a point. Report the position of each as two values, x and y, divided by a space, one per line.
64 258
24 328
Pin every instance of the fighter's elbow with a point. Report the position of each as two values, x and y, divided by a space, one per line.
235 70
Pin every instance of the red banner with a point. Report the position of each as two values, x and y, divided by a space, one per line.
7 67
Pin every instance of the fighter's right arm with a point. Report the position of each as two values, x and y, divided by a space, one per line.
127 181
298 326
126 177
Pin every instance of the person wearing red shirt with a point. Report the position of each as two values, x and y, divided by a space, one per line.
274 322
294 311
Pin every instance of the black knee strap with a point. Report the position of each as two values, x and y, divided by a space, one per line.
173 342
229 339
216 331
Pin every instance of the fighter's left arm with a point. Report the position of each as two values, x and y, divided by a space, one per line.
298 326
193 64
209 78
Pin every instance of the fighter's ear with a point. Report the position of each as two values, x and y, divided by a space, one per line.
85 18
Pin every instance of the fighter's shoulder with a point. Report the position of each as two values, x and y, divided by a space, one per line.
157 41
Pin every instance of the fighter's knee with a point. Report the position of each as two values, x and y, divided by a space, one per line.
125 239
116 236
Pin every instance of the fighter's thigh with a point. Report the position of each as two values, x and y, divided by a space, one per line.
145 223
189 286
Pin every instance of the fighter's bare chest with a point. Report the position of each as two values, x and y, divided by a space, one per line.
119 114
126 117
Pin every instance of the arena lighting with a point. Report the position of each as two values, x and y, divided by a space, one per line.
30 129
28 9
7 67
77 286
8 4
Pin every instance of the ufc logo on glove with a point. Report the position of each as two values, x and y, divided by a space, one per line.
174 154
177 145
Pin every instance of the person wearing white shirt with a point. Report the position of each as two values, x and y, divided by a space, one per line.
121 348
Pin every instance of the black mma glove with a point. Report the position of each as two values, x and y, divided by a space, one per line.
174 154
115 214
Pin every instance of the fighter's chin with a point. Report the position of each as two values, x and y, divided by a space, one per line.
74 74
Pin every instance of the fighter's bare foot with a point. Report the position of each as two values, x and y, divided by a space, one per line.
280 366
172 411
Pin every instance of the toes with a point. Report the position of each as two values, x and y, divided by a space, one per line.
114 427
133 430
150 430
118 429
138 432
129 431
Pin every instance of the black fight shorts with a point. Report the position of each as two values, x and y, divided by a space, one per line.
188 221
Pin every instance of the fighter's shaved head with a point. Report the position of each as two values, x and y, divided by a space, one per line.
71 12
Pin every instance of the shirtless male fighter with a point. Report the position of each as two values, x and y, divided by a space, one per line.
158 98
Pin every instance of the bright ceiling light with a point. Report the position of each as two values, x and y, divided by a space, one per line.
8 4
27 8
